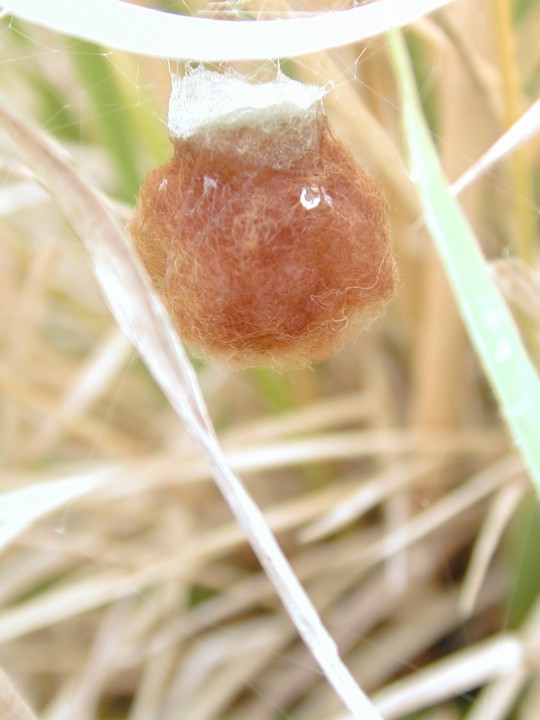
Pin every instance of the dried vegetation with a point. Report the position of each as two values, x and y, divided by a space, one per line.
127 590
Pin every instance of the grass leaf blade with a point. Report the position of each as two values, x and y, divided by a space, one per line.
491 328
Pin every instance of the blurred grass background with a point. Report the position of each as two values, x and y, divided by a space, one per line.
386 473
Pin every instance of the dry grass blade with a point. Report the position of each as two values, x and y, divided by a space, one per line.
449 507
144 321
90 383
526 127
20 508
12 706
364 498
499 515
452 676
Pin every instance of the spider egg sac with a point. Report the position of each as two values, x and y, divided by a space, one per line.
265 240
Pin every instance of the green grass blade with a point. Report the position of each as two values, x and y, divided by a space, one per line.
489 322
112 118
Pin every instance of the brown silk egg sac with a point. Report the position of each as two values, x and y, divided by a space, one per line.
266 242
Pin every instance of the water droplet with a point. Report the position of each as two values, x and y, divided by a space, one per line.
310 196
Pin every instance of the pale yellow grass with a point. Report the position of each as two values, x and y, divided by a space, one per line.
127 589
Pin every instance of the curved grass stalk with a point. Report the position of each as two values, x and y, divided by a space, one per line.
150 32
